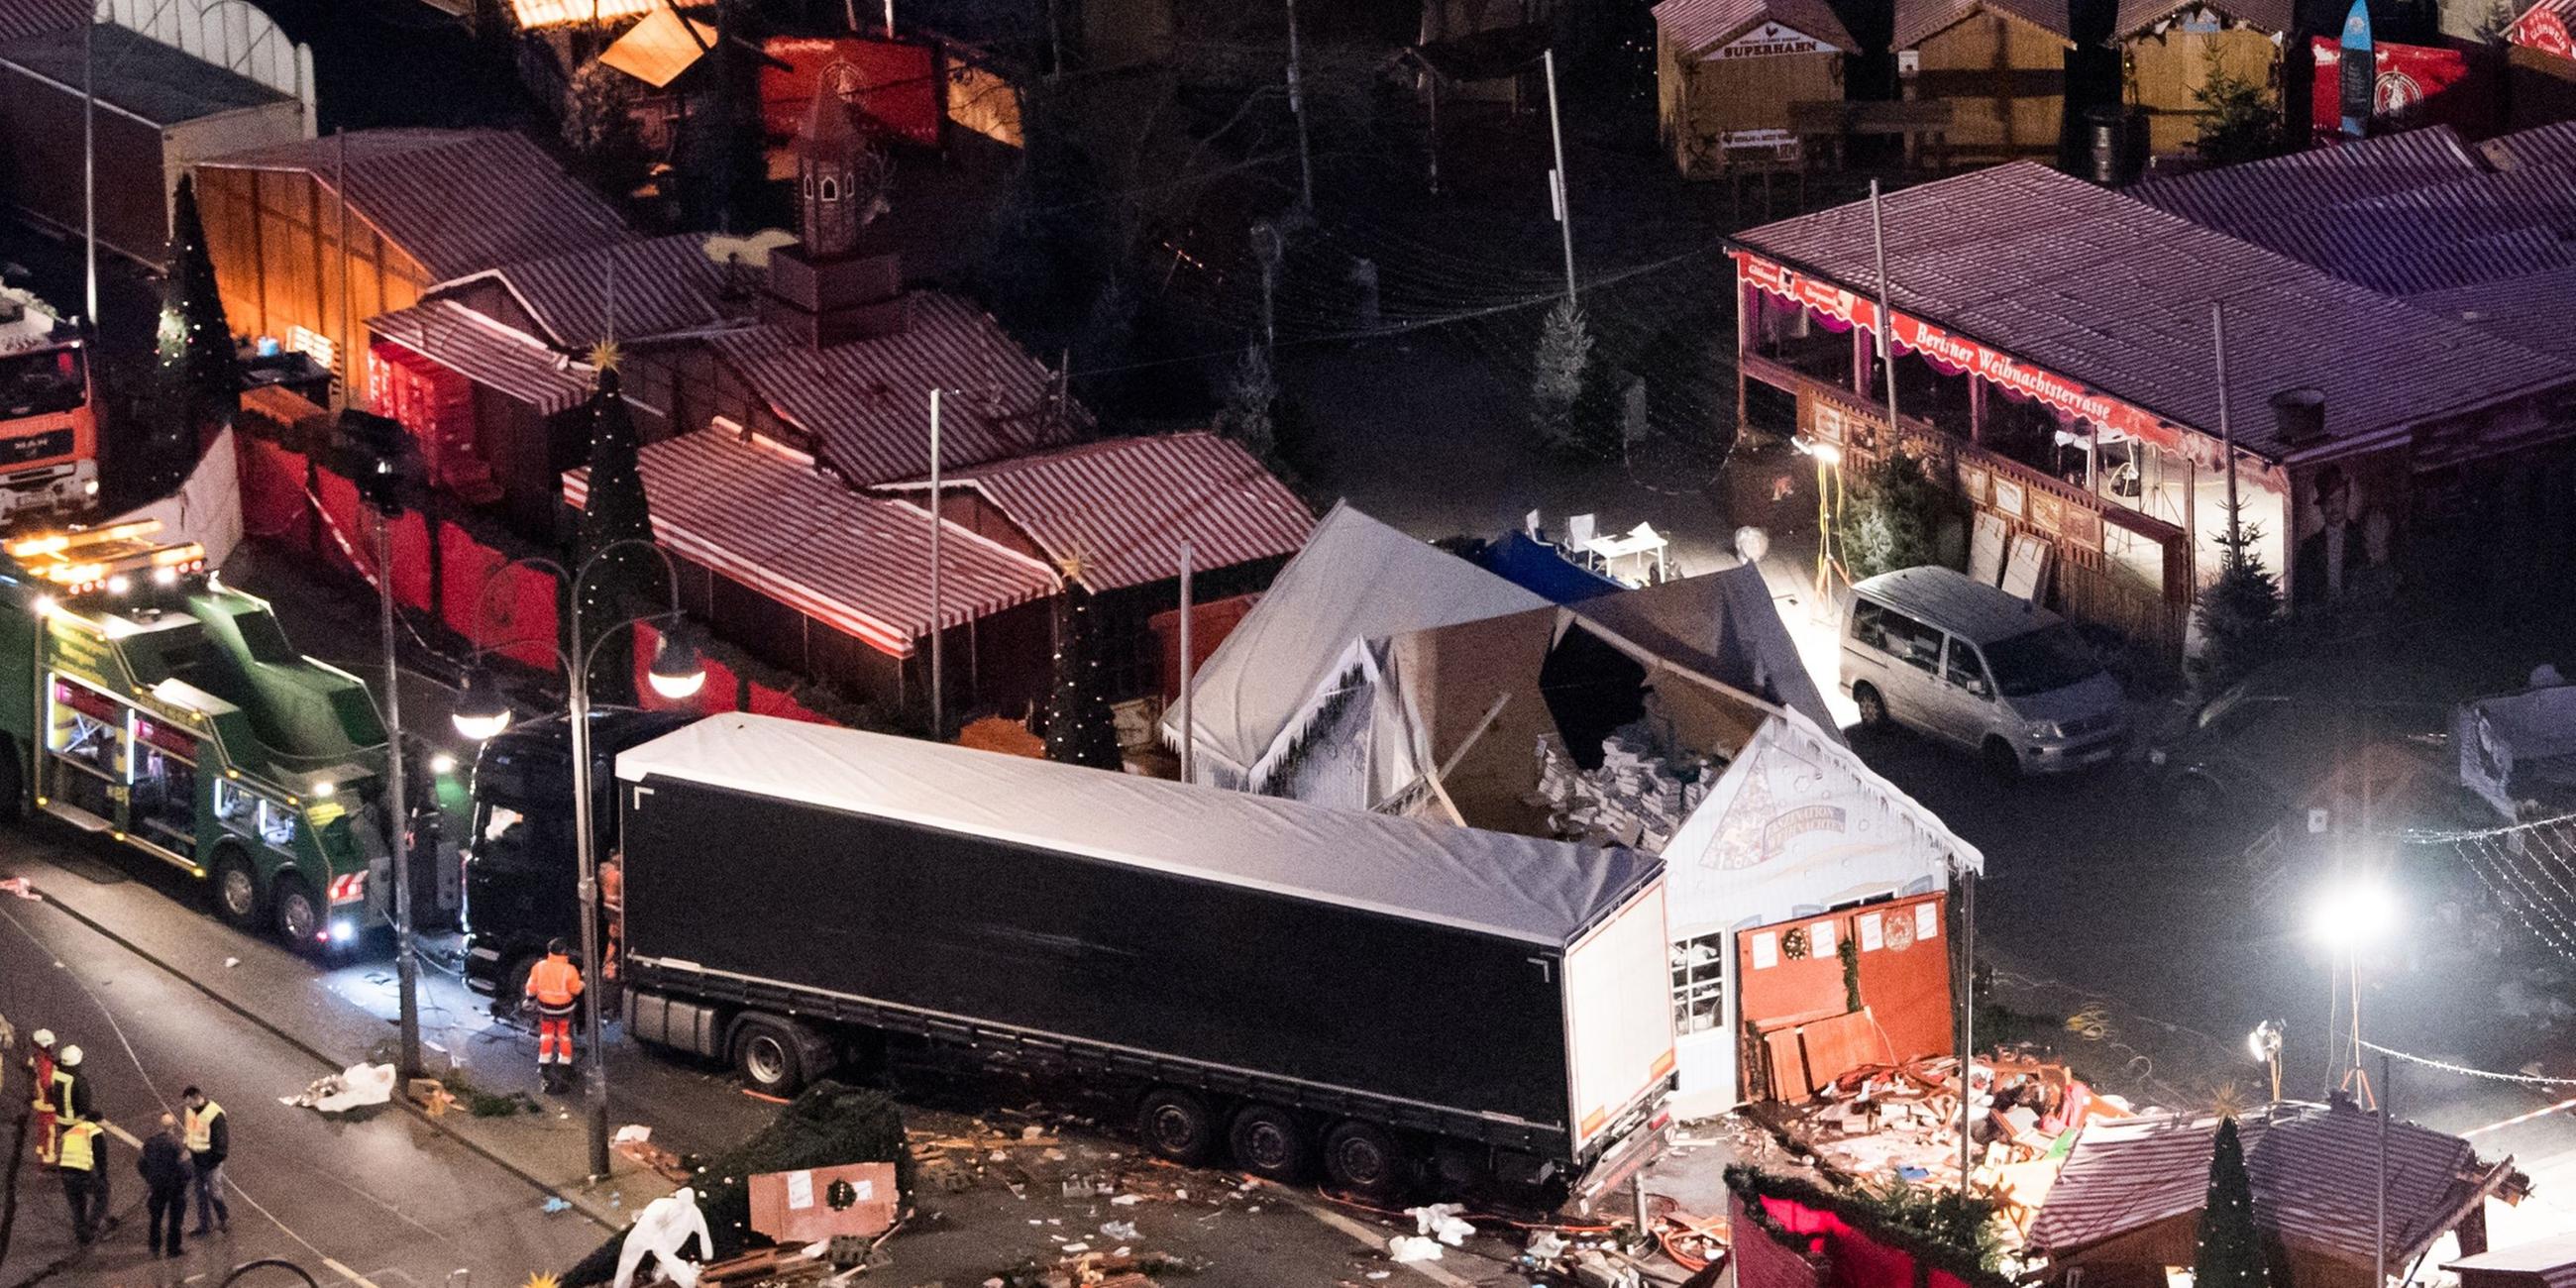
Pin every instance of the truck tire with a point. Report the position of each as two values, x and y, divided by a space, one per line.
1176 1124
236 889
1270 1143
513 997
297 913
771 1055
1362 1160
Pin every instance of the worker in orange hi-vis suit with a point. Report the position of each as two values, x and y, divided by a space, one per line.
554 988
40 1064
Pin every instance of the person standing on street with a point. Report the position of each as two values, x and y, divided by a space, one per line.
554 986
70 1090
83 1166
40 1068
164 1166
209 1139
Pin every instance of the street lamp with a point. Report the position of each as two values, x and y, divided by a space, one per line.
483 712
2264 1044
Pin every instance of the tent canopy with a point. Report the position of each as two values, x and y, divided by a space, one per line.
1357 579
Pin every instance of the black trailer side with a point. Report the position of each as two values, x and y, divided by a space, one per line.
920 930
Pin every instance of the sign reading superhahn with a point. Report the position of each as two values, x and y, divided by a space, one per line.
1771 39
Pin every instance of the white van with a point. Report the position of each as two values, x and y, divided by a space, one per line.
1936 651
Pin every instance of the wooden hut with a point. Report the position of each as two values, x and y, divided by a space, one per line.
2169 51
1999 64
1729 72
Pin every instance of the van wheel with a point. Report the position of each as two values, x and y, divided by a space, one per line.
1364 1161
2000 760
1268 1142
1873 708
297 912
237 898
770 1056
1176 1124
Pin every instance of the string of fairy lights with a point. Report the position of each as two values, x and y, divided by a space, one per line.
2527 867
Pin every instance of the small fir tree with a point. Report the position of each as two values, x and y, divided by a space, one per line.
600 131
2240 613
1250 398
2243 118
1560 375
2230 1252
1890 519
197 373
1079 728
628 579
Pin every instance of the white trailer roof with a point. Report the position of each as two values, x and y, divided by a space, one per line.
1546 892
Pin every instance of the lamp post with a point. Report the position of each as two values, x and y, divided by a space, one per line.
2354 912
482 712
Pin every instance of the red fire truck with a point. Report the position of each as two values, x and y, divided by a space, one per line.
48 410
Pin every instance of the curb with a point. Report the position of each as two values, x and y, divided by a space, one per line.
583 1202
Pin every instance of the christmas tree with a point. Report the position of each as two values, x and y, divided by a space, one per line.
2230 1252
1561 375
1079 728
198 375
626 580
2240 614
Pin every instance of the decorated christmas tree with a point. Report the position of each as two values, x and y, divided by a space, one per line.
2230 1252
198 375
1079 728
2240 613
627 580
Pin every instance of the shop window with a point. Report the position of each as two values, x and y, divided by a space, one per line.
1699 983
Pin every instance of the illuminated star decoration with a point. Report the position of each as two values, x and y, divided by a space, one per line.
540 1279
605 355
1074 565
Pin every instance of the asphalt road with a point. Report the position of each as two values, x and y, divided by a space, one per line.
375 1198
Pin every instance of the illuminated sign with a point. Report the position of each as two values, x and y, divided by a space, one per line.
1770 40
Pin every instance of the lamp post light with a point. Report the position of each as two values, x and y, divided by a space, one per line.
483 711
2355 912
2264 1044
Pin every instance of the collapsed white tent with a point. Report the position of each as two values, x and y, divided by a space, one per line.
1357 579
206 509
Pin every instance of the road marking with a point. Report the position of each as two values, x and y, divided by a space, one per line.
1372 1238
346 1273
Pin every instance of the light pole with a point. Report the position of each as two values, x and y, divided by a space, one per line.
2345 917
482 712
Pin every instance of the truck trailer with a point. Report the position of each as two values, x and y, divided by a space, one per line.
1295 986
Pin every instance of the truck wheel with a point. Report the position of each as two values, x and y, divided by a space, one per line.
1176 1124
770 1055
1363 1160
1269 1143
237 898
297 912
513 996
1873 708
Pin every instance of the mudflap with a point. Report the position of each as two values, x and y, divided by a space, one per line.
1608 1176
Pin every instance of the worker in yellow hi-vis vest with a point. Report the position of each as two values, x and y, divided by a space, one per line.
83 1164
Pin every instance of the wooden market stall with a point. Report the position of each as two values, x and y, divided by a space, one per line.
2170 52
1999 64
1730 75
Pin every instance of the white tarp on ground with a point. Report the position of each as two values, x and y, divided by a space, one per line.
1519 887
1357 579
206 510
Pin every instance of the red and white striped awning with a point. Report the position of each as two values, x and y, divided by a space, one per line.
860 564
487 353
1124 506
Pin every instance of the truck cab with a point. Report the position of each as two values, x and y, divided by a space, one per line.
522 869
143 699
48 410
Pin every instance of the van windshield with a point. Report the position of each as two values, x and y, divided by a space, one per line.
2051 657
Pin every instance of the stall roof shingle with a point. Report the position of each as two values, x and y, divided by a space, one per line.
138 75
487 353
1126 505
1920 20
2267 16
459 201
2112 292
858 563
661 285
22 18
2314 1174
1695 26
868 401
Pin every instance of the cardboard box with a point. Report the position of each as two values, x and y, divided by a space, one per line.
813 1205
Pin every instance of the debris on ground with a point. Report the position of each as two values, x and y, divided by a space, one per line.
1087 1269
1442 1221
1412 1247
355 1087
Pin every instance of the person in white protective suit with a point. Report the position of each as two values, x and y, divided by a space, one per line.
663 1228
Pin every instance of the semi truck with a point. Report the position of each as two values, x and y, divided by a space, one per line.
1295 987
48 410
143 699
521 883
